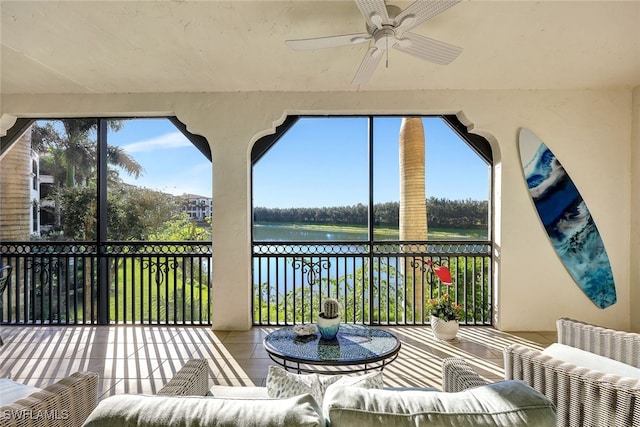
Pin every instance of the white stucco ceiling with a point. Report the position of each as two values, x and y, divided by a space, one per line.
208 46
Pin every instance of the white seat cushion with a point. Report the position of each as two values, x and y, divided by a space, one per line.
156 411
590 360
11 391
501 404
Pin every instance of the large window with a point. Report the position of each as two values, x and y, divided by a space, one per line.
158 184
339 178
106 220
313 184
361 209
162 184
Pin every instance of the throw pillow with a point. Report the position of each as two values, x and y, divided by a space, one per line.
282 384
369 380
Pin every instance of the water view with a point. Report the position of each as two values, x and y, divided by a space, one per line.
274 232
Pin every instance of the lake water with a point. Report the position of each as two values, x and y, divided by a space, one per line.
297 233
294 233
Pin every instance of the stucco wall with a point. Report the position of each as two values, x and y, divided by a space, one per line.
634 251
590 132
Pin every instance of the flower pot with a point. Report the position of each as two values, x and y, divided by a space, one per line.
444 329
328 328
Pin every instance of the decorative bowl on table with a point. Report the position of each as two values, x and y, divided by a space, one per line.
303 330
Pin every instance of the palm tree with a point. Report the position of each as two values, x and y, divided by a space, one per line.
413 206
69 143
69 154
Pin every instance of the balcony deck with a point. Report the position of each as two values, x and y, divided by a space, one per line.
140 359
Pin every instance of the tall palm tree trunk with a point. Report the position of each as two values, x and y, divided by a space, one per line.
413 206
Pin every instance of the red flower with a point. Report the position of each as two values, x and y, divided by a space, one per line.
442 272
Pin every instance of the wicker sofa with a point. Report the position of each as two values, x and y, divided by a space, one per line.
508 403
583 396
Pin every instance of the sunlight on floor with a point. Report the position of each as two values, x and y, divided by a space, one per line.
140 359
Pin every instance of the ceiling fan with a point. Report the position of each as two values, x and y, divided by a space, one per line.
388 26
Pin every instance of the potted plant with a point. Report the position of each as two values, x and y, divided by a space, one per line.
329 319
445 313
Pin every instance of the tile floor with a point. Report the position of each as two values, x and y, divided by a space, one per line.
140 359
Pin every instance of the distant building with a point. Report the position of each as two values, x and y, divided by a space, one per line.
34 194
41 216
198 207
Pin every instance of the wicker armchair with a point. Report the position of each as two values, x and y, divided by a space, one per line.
68 402
583 397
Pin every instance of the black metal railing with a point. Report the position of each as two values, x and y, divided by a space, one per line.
119 282
170 282
376 282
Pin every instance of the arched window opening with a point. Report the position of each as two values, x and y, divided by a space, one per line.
334 198
109 202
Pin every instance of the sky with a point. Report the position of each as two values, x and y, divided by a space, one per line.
323 162
319 162
171 163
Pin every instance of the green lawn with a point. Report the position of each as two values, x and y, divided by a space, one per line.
157 293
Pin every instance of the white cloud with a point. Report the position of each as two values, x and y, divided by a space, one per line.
162 142
196 179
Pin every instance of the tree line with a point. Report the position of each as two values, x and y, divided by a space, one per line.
441 213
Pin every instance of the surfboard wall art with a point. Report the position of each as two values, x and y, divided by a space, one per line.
567 220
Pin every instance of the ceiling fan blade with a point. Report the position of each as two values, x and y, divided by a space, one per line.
421 11
374 11
368 66
326 42
428 49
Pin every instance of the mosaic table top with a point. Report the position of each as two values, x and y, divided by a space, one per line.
355 344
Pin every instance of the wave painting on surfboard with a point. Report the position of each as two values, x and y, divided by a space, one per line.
567 220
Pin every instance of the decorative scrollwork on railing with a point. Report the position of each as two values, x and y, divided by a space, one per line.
420 264
159 268
44 268
310 268
425 264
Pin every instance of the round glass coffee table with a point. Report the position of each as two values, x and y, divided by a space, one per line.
357 348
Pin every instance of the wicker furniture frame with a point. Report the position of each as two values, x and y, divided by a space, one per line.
583 397
65 403
68 402
191 380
